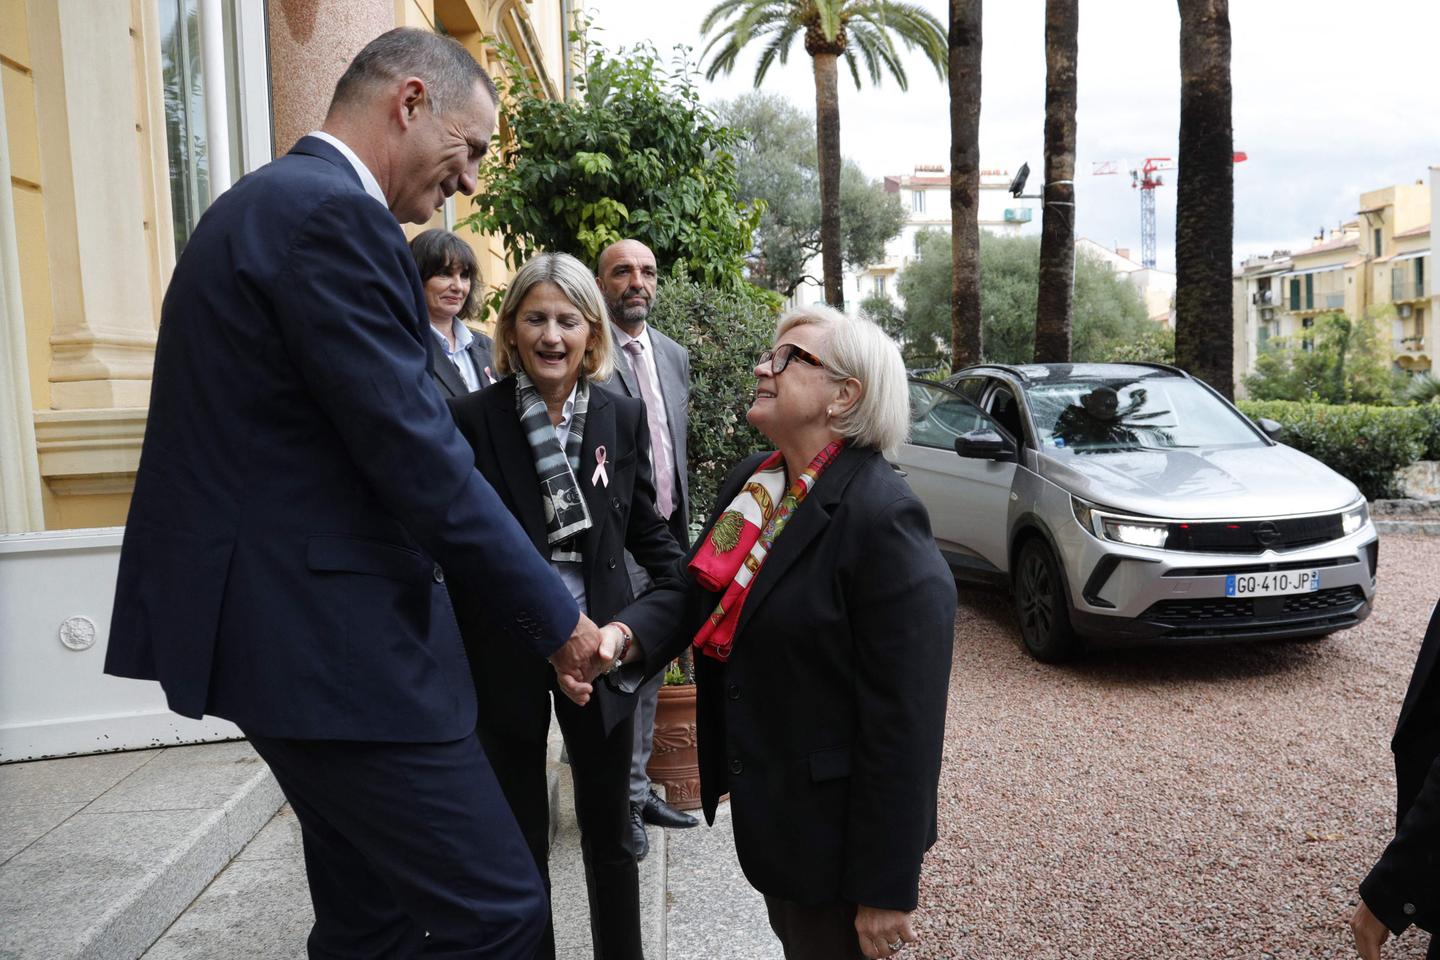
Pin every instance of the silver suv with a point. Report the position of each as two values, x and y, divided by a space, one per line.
1133 502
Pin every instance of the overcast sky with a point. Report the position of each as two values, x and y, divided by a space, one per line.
1331 98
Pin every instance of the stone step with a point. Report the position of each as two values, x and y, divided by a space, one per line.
101 853
259 905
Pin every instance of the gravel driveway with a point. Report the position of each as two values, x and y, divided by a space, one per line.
1203 802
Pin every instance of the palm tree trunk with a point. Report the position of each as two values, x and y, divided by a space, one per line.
1205 197
1057 234
827 143
966 337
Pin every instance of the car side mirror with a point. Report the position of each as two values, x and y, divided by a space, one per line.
986 444
1270 428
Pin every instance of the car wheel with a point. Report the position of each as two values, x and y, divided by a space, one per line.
1041 605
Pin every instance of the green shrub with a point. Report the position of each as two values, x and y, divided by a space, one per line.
1430 414
1362 443
725 332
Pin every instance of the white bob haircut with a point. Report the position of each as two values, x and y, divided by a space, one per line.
859 349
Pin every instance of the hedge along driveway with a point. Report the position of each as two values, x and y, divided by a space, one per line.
1362 443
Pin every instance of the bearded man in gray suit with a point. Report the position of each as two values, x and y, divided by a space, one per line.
656 369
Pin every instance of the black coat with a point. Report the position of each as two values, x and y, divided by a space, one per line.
1404 886
443 371
509 680
826 724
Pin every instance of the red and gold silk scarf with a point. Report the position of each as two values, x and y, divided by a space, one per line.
738 543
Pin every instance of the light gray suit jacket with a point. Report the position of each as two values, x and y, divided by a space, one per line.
673 363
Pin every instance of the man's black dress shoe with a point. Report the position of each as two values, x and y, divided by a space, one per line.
661 814
637 832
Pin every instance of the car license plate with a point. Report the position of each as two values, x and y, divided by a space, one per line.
1272 584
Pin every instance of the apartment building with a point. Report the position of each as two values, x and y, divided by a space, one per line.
925 195
1363 268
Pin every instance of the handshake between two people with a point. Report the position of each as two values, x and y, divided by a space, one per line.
589 652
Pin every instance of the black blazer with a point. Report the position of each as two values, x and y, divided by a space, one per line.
1404 886
301 479
826 724
510 680
447 378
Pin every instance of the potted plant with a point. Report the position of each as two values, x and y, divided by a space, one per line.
674 762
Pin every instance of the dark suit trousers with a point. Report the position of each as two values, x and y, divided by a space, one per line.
402 839
824 932
600 768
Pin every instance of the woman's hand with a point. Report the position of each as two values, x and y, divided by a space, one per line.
883 933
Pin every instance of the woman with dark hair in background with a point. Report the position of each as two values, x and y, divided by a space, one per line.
460 356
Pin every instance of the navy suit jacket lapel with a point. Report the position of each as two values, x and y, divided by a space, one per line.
804 525
517 464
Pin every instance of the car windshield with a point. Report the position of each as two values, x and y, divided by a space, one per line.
1121 414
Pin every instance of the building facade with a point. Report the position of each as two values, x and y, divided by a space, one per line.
925 195
121 121
1375 266
1156 287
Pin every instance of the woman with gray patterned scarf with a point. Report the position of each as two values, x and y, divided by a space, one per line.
571 461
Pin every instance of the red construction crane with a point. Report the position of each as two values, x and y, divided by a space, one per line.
1145 177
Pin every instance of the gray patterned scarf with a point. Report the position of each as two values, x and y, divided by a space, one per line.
566 514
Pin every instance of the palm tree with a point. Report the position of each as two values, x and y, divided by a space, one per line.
1057 233
832 29
1205 197
966 342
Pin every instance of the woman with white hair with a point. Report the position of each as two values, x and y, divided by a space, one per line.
822 615
572 462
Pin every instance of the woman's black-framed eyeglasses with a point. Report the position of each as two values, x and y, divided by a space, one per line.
780 358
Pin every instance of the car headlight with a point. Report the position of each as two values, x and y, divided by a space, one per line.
1136 534
1352 520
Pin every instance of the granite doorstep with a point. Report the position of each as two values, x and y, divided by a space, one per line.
107 879
258 906
67 779
713 910
61 889
186 778
25 825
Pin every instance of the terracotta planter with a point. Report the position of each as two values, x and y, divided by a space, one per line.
673 760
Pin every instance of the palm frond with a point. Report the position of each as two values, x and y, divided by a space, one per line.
719 12
861 39
724 61
779 49
830 16
850 62
880 46
913 24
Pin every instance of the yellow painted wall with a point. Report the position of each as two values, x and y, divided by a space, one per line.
17 78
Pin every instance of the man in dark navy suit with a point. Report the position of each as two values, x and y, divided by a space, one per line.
1403 887
302 496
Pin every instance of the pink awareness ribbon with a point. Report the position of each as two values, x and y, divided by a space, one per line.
600 477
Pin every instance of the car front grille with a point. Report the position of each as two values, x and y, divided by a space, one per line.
1254 536
1210 614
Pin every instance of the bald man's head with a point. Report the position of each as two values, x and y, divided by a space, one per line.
627 274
